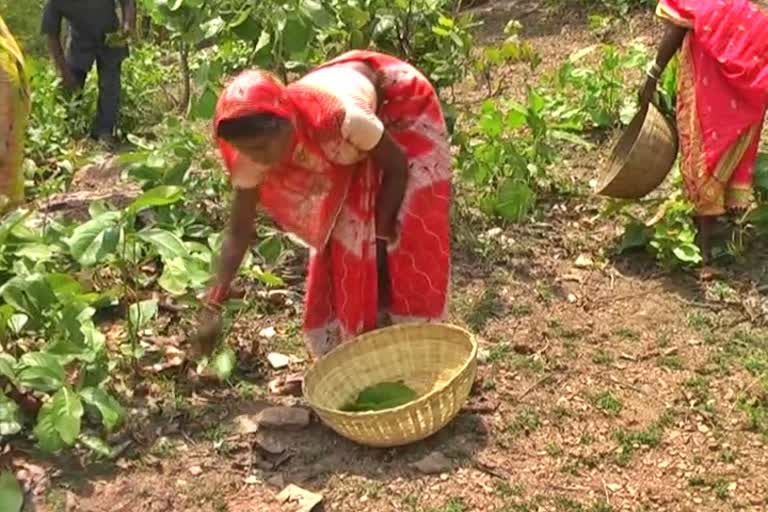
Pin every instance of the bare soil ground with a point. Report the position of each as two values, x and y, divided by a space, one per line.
609 384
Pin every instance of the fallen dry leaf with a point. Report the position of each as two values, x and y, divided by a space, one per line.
298 499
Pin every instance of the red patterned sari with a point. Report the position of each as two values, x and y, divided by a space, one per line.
329 200
722 98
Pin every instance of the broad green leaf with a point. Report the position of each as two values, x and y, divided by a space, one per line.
65 410
270 249
205 105
223 363
269 279
386 395
142 313
91 242
7 364
688 253
317 13
11 495
167 244
514 200
37 252
40 371
174 279
17 322
111 411
96 445
636 235
354 17
158 196
10 417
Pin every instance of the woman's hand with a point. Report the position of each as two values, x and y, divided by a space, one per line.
209 326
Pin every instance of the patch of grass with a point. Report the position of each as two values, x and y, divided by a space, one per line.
483 309
576 464
500 352
720 488
560 412
627 334
564 504
607 403
586 439
700 321
602 357
452 505
727 455
525 422
649 437
521 310
564 332
411 502
554 450
507 490
672 361
697 481
601 506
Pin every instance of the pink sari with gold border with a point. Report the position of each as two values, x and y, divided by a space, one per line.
722 98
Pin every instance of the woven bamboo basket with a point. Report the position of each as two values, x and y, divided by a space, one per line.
437 361
641 158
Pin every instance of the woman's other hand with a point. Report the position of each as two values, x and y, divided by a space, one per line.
648 91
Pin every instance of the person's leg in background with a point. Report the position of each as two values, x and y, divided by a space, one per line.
109 66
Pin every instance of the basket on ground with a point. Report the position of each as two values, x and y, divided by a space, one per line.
641 158
437 361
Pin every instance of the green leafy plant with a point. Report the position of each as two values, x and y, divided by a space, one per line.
385 395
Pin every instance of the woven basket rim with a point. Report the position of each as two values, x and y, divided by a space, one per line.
422 399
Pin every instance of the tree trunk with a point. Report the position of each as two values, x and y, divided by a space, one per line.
186 78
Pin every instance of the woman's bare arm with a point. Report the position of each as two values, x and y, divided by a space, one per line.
390 158
670 44
236 242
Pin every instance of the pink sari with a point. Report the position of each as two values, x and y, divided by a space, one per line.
722 98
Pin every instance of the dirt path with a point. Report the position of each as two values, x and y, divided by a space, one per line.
615 386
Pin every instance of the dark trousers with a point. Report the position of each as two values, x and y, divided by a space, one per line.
109 67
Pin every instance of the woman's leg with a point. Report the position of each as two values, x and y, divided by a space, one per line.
705 225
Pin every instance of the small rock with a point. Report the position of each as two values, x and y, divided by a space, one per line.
483 355
195 471
433 464
613 487
584 261
268 333
269 444
572 298
70 502
278 361
276 481
493 232
284 418
301 499
252 480
278 297
245 424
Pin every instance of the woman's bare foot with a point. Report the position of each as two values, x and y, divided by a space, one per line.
288 385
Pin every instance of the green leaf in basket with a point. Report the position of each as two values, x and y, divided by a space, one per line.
386 395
